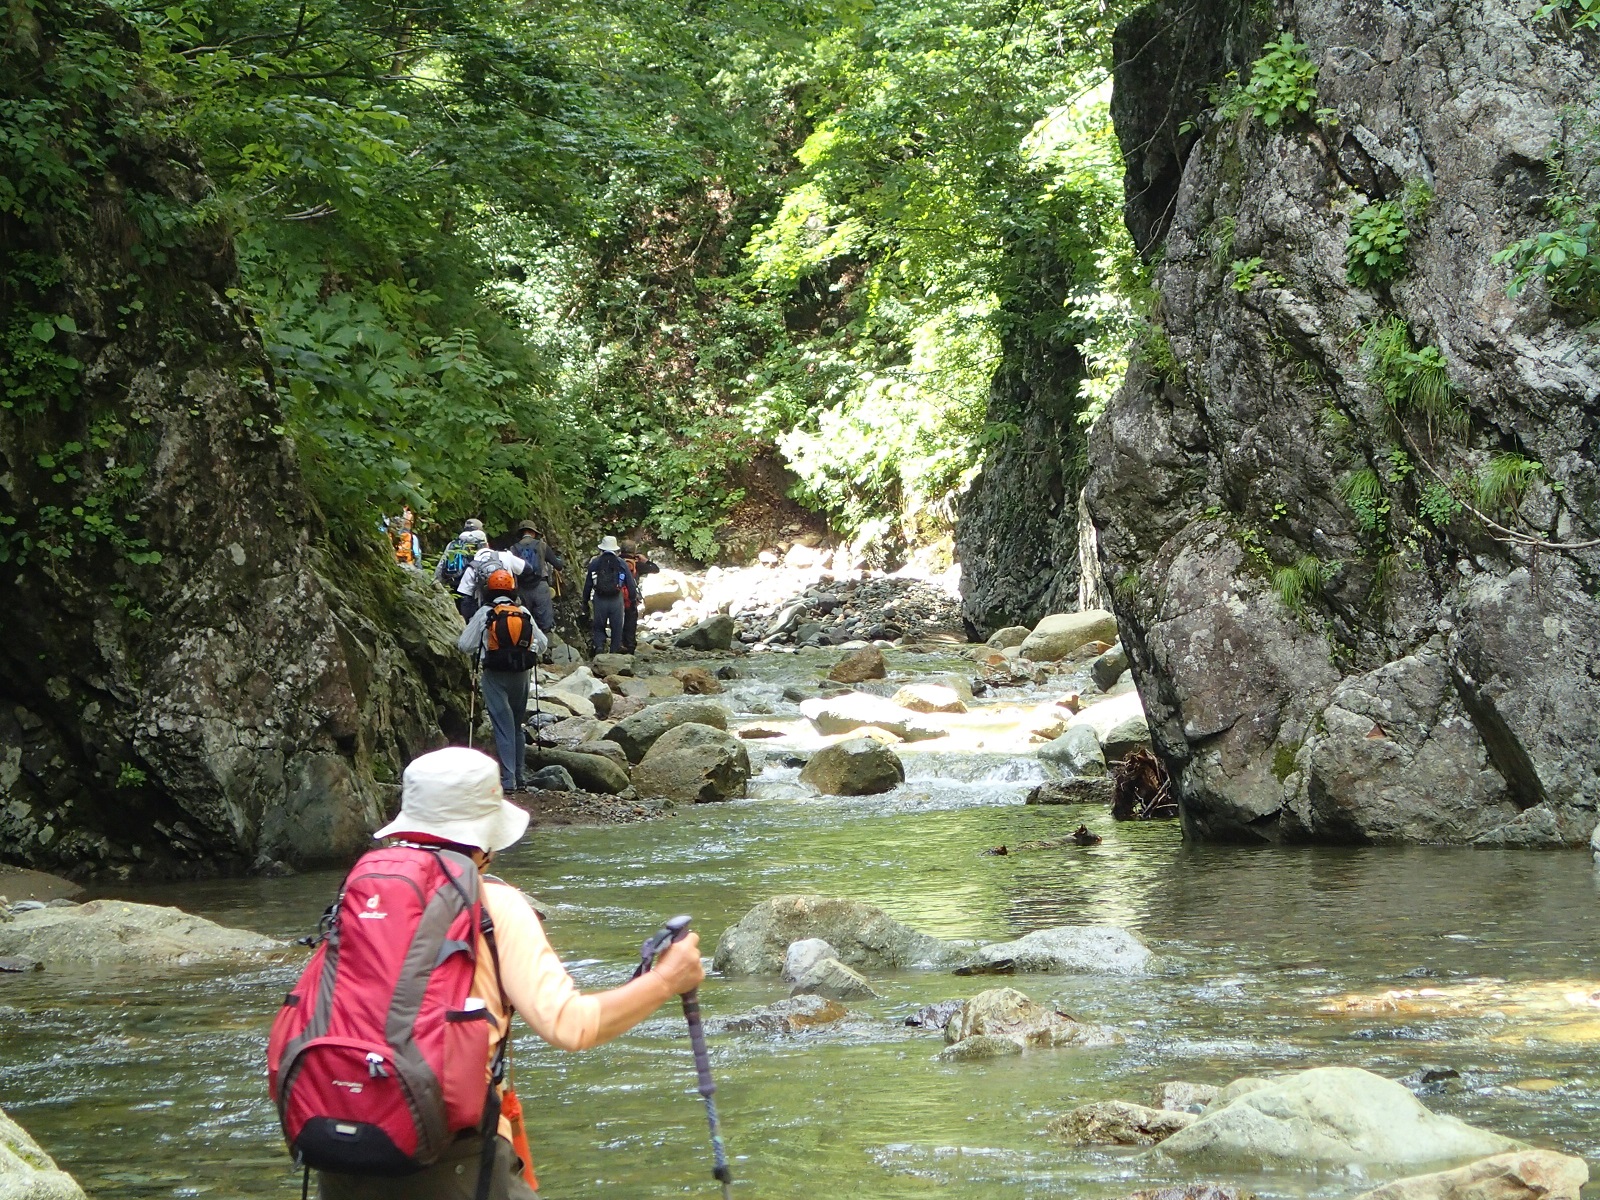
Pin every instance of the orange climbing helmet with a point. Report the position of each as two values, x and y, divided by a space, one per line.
501 582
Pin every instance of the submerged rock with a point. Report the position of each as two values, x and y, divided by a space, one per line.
1009 1014
1068 949
1093 790
1118 1123
842 714
1524 1175
107 932
27 1172
935 1016
864 936
980 1049
794 1015
1184 1097
1330 1116
930 698
859 766
831 978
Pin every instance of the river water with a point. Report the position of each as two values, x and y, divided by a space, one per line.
149 1084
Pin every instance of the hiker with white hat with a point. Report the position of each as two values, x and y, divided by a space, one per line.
419 970
606 585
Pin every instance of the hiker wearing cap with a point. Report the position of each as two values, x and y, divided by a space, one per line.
423 963
504 641
639 565
606 586
455 560
533 585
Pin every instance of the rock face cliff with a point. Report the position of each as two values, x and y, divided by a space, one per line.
191 681
1331 644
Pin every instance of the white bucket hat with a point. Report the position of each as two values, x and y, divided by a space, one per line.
609 543
455 794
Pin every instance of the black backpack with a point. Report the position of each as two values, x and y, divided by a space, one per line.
608 575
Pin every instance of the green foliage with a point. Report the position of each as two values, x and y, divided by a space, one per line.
1567 258
1282 84
1376 248
130 776
1411 380
1438 505
1303 581
1581 14
1501 482
1243 273
1154 351
1363 492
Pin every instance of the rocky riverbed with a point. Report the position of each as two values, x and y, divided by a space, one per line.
1061 976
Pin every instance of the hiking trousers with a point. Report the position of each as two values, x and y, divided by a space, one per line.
607 615
453 1177
537 600
505 695
630 630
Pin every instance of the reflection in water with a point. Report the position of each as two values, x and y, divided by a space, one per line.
1271 958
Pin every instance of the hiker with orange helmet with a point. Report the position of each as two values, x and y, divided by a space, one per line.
504 640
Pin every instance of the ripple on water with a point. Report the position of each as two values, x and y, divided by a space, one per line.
151 1084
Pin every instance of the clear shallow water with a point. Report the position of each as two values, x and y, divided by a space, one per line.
152 1085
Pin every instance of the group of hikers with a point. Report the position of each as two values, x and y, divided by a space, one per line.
507 598
389 1060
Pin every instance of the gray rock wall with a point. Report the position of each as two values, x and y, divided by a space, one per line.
252 696
1442 680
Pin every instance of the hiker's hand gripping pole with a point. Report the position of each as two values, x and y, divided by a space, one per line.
674 931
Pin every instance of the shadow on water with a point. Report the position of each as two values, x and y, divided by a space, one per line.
152 1084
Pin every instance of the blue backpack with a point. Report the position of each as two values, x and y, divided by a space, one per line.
456 557
528 552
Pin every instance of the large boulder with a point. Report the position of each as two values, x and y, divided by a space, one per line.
665 588
864 937
1118 1123
1069 949
841 714
1011 635
27 1172
697 764
1334 1117
714 633
591 772
637 733
1118 723
859 666
583 683
1061 634
1523 1175
19 883
1077 750
114 932
1109 667
1008 1013
858 766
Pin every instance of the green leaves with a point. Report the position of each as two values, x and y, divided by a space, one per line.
1376 248
1282 84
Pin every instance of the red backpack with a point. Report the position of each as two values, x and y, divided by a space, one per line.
377 1060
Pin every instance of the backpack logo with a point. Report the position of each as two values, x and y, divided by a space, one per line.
370 915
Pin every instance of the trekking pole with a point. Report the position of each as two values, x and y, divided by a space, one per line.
674 931
472 706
